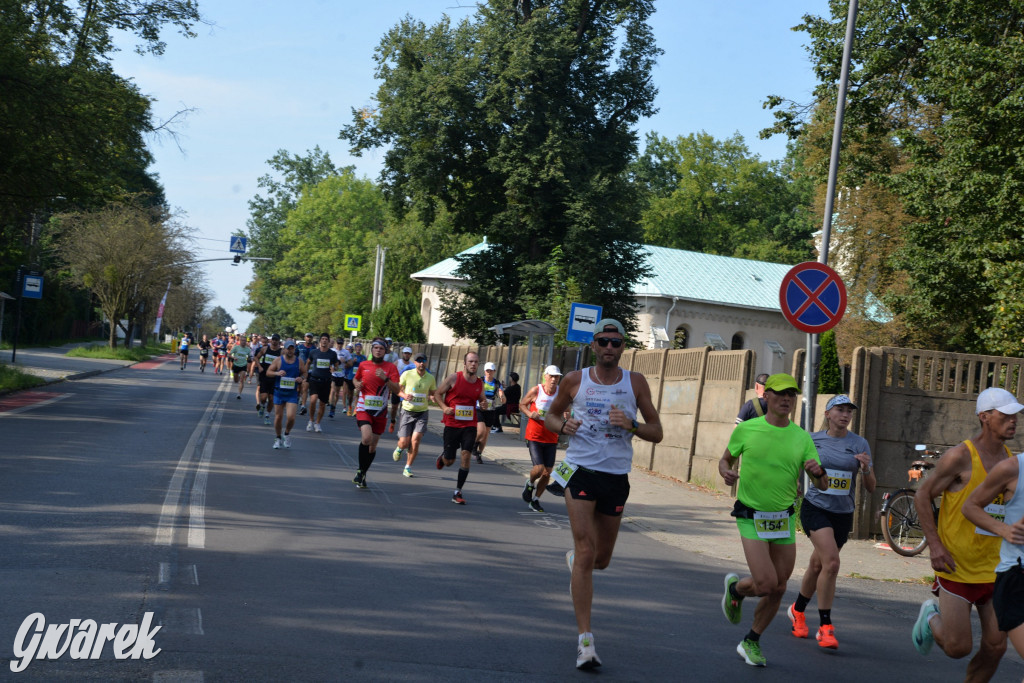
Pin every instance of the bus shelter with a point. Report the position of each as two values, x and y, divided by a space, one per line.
540 345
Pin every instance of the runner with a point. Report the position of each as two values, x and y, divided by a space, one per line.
542 442
204 353
963 559
404 363
288 373
487 418
458 396
417 387
774 453
341 356
220 353
985 508
594 473
183 349
374 380
265 384
303 350
350 374
827 517
240 355
319 366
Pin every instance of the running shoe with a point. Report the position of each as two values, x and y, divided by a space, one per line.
287 441
535 506
266 418
407 473
799 622
309 426
278 443
331 413
528 492
827 637
586 655
478 458
302 410
239 397
317 429
494 430
391 427
922 633
751 653
360 480
555 489
731 607
259 408
458 499
396 454
439 463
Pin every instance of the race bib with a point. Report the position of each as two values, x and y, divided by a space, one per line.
563 472
323 363
418 399
373 402
840 482
997 511
769 525
286 382
464 413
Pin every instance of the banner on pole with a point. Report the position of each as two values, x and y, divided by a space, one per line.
160 311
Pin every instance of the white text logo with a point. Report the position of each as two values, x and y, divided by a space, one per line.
81 639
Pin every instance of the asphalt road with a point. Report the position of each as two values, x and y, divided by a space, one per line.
148 489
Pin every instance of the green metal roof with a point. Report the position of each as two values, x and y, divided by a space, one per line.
687 275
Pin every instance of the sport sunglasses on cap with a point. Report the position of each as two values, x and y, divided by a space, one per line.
605 341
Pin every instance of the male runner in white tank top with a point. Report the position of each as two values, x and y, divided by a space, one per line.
595 471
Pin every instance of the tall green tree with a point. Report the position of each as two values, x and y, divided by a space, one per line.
940 82
520 122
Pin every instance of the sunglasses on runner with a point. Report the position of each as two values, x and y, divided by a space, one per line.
605 341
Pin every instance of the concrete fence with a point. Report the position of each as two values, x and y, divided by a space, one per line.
906 397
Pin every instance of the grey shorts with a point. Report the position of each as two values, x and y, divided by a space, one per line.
409 422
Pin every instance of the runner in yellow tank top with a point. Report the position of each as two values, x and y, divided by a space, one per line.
963 557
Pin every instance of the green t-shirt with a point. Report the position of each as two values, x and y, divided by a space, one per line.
419 387
240 355
771 462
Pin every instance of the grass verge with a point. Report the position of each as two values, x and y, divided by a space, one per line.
12 379
120 353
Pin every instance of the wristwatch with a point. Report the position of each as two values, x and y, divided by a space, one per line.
634 427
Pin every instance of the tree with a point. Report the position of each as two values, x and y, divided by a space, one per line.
216 320
519 123
715 197
830 376
933 118
186 303
124 254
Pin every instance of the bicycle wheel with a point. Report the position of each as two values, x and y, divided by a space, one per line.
900 526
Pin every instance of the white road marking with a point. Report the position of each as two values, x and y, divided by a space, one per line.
197 504
184 620
169 510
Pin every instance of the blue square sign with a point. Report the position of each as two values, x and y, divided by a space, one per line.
582 320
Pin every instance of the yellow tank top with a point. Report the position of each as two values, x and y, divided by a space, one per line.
976 554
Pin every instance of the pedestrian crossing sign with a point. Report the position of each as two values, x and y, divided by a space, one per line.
353 323
238 244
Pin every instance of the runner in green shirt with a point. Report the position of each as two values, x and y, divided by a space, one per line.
774 453
240 356
417 391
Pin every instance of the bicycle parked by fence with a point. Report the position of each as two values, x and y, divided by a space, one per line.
901 527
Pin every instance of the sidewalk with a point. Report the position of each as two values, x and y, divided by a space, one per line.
697 520
51 365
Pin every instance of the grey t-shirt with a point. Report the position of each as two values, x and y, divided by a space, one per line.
837 457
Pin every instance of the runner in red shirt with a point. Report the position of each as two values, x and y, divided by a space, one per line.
374 381
458 396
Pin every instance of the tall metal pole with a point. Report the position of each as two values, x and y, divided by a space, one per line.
813 350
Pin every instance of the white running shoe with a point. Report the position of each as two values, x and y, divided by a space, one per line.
316 428
397 454
278 442
407 473
287 441
309 426
586 655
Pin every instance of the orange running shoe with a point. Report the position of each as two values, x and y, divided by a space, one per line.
799 623
827 637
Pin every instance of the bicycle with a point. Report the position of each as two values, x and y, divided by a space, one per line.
901 527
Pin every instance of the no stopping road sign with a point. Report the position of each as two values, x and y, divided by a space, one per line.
812 297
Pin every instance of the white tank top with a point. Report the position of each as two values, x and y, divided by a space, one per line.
598 445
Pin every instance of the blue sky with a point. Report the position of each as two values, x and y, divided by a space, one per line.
269 75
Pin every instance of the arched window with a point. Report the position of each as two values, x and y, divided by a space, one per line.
681 338
737 342
425 314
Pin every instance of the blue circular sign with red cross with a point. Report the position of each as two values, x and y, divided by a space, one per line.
813 297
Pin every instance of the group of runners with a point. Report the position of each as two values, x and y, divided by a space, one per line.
976 544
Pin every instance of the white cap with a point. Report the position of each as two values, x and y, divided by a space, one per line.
552 370
1002 400
489 366
407 349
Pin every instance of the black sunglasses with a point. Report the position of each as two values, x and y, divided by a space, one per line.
789 393
605 341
